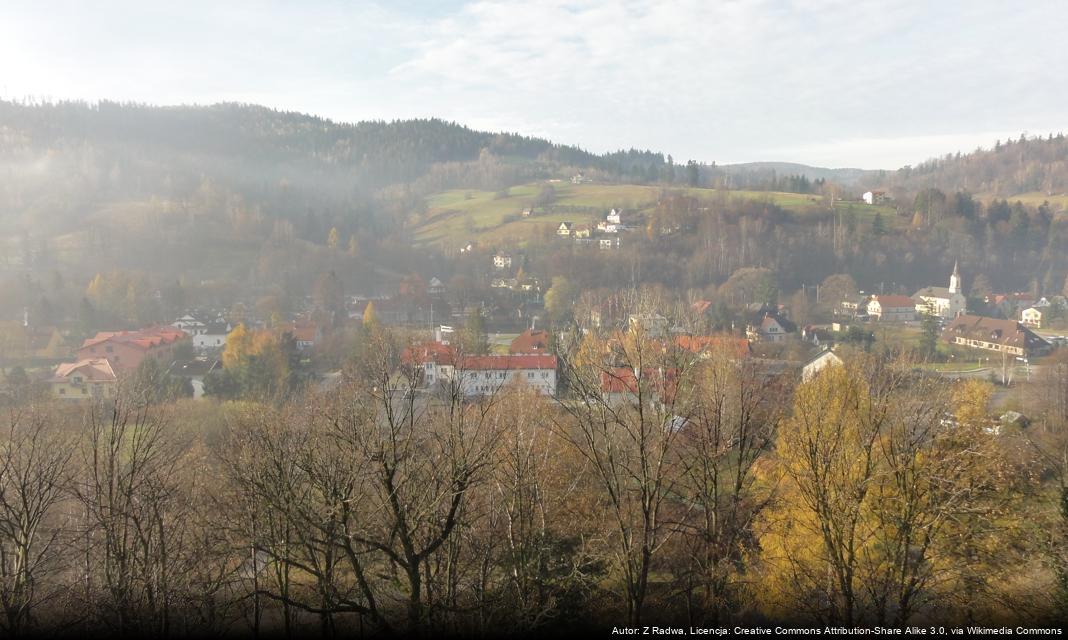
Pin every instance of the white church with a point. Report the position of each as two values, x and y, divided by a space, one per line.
944 302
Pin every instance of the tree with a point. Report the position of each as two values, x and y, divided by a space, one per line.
628 437
931 329
370 318
34 473
473 337
877 491
560 298
332 239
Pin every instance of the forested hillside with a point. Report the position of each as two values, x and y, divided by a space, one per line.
1033 167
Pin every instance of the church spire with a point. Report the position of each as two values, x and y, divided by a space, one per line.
954 280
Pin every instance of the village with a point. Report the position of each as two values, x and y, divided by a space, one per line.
518 346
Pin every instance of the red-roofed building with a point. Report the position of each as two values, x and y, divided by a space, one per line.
992 334
530 341
126 350
480 375
892 308
621 385
84 380
733 346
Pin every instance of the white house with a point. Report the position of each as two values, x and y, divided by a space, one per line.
213 338
613 217
944 302
564 229
608 243
875 197
819 362
1032 316
652 325
502 261
189 324
892 308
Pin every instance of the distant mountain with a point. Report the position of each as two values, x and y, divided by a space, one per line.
760 171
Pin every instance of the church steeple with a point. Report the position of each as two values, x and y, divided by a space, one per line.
954 280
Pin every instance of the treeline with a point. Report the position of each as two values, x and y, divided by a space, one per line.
1010 167
661 488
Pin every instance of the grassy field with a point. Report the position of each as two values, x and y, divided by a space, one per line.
1034 198
460 216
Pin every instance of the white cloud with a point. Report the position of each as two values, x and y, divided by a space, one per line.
851 82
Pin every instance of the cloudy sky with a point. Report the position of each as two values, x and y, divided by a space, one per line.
866 83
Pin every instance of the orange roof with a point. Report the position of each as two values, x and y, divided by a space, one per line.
94 369
892 301
530 341
739 347
143 339
623 380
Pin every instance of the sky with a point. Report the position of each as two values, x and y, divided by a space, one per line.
836 83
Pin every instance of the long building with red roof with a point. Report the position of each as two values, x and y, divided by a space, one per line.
480 375
126 350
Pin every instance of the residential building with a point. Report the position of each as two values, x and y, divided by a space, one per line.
565 229
125 350
819 362
190 324
892 308
875 197
482 375
621 385
614 216
305 334
991 334
530 341
1033 316
212 337
773 327
608 243
653 325
88 379
502 261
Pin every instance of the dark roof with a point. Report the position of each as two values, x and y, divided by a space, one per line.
1006 332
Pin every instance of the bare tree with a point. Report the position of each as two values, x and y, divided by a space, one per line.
34 464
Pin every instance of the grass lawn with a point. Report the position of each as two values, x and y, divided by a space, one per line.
1034 199
466 215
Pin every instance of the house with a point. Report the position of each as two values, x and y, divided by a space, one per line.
88 379
435 287
875 197
305 334
892 308
584 231
189 324
530 341
853 306
608 243
991 334
944 302
733 347
621 385
1033 316
502 261
528 212
773 327
614 216
213 337
125 350
653 325
819 362
564 229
